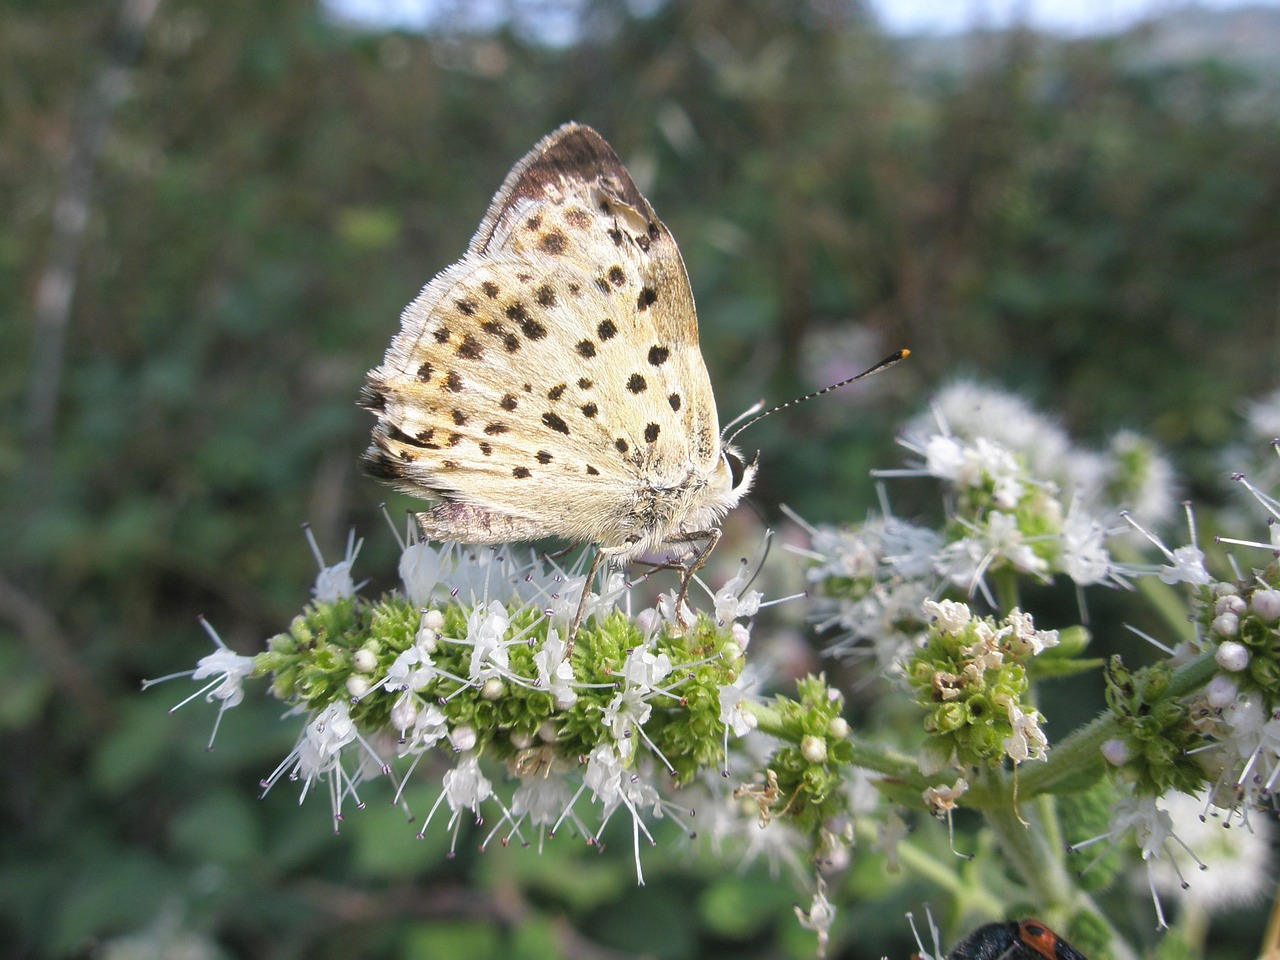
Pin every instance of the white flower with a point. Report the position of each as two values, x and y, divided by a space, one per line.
1004 538
1187 567
604 774
543 799
819 917
334 583
1237 862
413 669
465 787
486 630
941 801
1152 829
1082 554
1220 691
733 600
330 731
430 726
732 698
645 670
555 673
1024 638
1141 477
230 669
949 615
422 567
1027 741
627 710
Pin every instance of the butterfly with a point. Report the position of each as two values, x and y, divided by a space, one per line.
550 385
1014 940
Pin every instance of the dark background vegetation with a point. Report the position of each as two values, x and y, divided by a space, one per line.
213 211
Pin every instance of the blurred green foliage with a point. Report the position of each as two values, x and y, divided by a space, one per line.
1094 229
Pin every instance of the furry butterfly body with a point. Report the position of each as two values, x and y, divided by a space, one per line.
550 383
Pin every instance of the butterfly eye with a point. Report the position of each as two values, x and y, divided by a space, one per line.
737 469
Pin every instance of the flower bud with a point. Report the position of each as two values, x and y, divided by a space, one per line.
463 738
1266 604
404 713
838 728
357 686
521 740
1231 656
814 749
1231 603
365 660
493 689
1226 625
1115 751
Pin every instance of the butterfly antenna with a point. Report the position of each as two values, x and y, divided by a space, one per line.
884 364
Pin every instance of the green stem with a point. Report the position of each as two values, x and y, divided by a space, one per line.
1007 593
925 865
1078 758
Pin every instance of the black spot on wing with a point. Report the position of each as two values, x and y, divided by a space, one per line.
555 423
553 242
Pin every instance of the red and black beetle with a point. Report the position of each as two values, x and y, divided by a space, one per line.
1014 940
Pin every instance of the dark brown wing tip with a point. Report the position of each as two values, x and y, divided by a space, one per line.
380 464
573 152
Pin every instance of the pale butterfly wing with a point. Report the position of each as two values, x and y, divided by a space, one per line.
550 384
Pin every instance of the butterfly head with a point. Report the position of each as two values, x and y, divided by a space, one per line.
734 475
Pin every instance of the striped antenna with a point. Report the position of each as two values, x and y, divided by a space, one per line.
884 364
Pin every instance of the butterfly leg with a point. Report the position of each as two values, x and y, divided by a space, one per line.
709 539
596 559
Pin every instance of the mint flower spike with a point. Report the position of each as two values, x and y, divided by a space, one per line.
470 662
971 681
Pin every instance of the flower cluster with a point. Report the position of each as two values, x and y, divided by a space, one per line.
471 662
970 678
